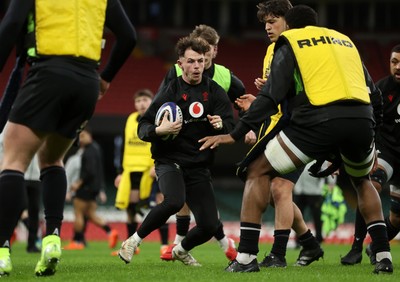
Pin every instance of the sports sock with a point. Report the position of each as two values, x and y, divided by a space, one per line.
164 230
281 238
131 228
360 231
78 237
219 234
178 239
11 193
224 243
378 233
106 228
244 258
54 184
182 224
392 231
249 236
308 241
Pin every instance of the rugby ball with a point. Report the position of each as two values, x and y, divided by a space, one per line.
174 114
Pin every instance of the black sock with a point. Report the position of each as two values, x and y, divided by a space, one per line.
378 233
360 231
164 229
392 231
54 183
219 235
182 224
131 227
106 228
12 190
79 237
249 236
25 221
281 238
308 241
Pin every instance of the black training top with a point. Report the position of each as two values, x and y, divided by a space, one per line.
195 101
389 134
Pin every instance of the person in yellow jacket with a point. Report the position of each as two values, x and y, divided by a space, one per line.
334 107
56 100
136 175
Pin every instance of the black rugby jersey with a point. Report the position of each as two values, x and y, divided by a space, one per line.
205 98
389 134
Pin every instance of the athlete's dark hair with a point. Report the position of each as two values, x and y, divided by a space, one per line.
277 8
143 93
301 16
197 44
396 49
206 32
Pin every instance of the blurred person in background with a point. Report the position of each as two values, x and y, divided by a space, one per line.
136 175
85 187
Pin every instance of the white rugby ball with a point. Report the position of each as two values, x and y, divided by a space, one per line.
174 114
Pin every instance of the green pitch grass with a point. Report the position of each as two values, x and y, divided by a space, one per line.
96 264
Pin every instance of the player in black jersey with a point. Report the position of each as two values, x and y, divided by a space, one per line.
182 171
388 171
234 88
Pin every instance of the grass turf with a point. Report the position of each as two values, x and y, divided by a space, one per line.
96 264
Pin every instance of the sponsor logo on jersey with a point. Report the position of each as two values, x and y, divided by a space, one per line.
196 109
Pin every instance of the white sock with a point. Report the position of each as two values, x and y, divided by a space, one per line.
179 248
244 258
178 239
224 243
381 255
137 238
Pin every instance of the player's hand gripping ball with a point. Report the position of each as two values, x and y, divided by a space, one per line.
174 114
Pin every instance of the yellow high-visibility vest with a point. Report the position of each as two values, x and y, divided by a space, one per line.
69 28
329 64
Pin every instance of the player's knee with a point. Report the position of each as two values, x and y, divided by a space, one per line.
173 205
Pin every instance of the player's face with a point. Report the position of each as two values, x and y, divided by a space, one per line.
395 66
274 26
142 103
192 65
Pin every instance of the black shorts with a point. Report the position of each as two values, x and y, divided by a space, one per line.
86 195
353 138
59 95
292 176
135 177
